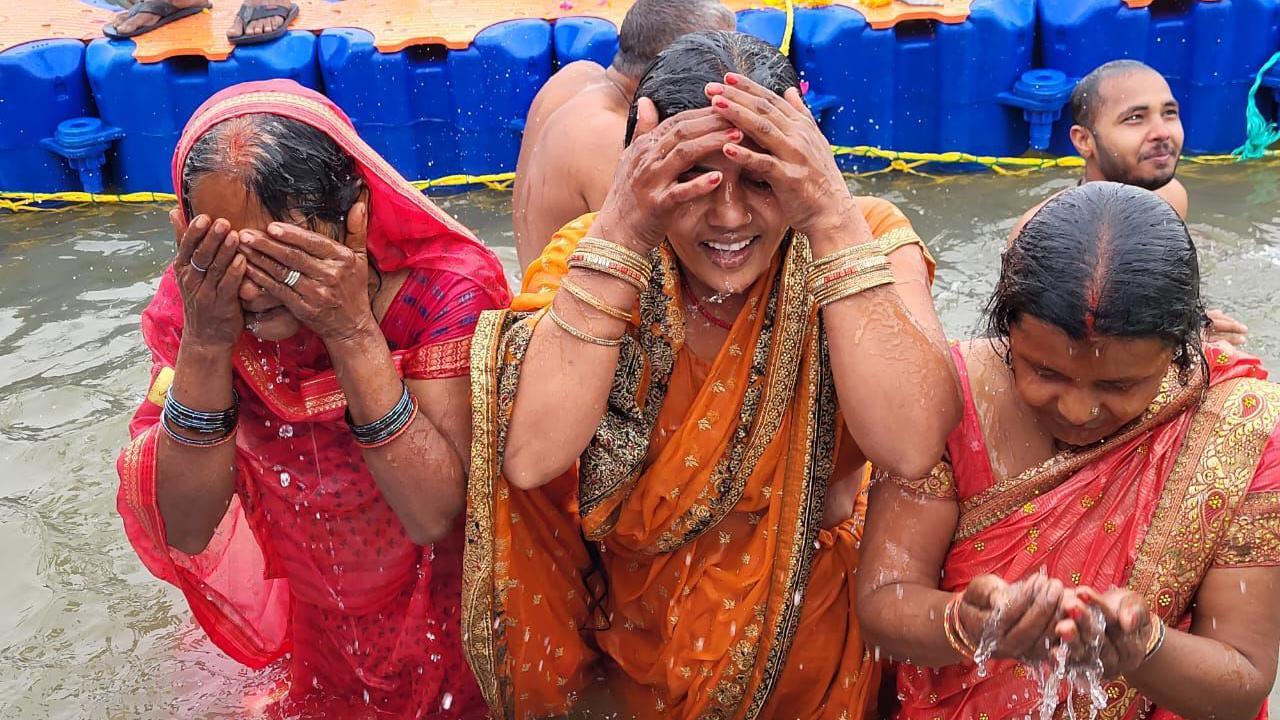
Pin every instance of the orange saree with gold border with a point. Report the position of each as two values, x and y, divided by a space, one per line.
681 569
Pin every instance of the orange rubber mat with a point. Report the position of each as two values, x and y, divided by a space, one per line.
394 24
1147 3
22 21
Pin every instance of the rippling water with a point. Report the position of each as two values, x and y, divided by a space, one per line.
87 632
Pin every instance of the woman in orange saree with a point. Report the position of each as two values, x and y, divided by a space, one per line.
1108 465
663 520
311 282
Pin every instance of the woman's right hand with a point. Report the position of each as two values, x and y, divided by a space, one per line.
647 188
210 297
1029 610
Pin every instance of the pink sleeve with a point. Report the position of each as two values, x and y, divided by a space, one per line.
434 306
434 316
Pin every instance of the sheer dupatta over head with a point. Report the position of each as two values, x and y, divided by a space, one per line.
309 556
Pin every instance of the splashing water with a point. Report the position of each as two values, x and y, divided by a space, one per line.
987 643
1081 678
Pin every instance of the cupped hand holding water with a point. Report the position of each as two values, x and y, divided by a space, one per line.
793 156
1014 621
651 184
1123 627
330 294
209 272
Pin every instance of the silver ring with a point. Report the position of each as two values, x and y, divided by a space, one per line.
1095 411
292 278
196 267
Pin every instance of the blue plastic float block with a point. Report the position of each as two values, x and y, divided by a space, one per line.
1209 52
152 102
433 112
768 25
41 84
923 85
584 38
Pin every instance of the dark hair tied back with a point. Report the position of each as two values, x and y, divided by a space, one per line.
677 79
1105 259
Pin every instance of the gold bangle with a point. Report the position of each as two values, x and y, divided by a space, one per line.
581 293
608 247
1156 641
584 337
601 264
954 629
852 286
616 253
845 269
852 253
822 289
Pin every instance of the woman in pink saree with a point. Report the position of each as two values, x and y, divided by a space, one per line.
297 466
1108 466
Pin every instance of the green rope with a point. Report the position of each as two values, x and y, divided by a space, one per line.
1260 132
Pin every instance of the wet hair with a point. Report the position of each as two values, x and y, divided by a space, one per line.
1086 98
651 25
677 79
1104 259
296 171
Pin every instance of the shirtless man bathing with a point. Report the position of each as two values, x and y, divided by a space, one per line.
574 133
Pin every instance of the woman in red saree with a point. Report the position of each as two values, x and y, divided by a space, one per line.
311 284
672 424
1108 465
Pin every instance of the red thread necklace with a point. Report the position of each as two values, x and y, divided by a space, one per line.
694 303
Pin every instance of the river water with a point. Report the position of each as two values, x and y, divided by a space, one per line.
85 631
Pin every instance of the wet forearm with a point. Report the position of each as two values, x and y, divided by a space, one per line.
564 384
904 622
896 383
1199 677
194 485
418 473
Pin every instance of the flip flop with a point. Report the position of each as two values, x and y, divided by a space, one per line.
166 11
261 12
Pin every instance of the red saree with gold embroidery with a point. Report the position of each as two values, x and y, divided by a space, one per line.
681 570
310 563
1191 485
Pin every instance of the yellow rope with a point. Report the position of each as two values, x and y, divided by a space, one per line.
785 48
897 161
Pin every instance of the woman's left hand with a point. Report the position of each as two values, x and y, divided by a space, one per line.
1128 627
796 160
330 293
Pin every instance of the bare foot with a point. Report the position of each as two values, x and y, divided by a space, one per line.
257 27
127 25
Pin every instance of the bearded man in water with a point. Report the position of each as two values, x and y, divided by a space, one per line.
1128 128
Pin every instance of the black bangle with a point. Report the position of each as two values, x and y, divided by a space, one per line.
190 442
197 421
388 425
